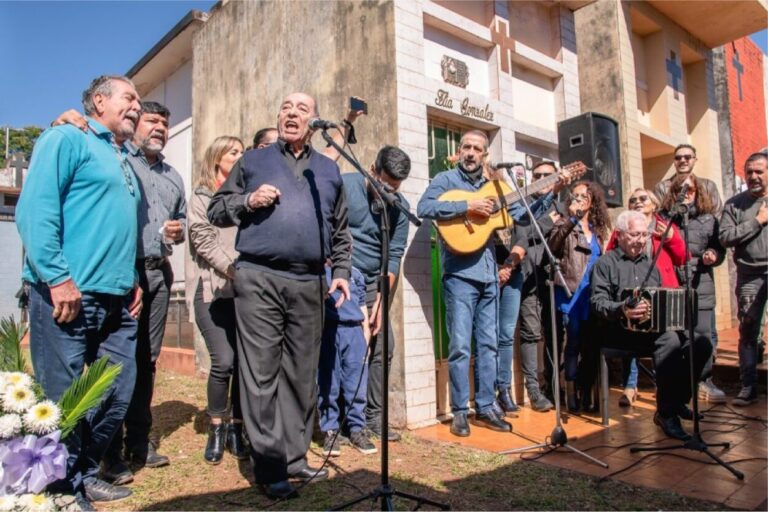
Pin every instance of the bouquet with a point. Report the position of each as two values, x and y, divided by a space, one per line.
32 454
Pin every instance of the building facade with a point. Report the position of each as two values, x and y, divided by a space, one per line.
649 65
431 70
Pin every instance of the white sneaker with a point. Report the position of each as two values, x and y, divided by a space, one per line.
711 393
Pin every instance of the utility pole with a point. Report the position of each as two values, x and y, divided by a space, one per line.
7 132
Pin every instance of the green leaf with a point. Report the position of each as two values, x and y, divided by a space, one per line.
11 357
86 392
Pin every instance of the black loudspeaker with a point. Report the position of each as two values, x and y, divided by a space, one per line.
594 139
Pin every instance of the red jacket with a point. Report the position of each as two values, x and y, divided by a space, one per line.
673 254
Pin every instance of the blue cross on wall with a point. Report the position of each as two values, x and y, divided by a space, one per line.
737 65
676 71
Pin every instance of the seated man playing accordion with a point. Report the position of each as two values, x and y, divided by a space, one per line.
626 268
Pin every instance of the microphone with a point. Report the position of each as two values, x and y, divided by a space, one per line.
680 208
505 165
321 124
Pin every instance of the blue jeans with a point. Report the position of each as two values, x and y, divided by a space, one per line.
342 370
103 327
509 308
471 308
630 372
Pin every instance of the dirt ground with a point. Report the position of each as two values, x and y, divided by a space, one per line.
466 479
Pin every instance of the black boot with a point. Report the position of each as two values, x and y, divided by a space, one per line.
214 448
235 442
506 404
588 405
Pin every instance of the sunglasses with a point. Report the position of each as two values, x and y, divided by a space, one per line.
684 157
539 175
638 199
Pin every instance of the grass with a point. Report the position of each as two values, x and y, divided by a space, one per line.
465 478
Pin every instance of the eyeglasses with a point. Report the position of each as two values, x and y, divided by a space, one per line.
579 196
636 234
539 175
684 157
638 199
125 166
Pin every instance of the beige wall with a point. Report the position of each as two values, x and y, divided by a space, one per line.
249 55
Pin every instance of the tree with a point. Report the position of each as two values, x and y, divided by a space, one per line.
20 139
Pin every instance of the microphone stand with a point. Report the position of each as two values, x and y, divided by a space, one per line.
385 491
695 443
558 437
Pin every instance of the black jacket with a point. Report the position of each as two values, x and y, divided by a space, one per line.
703 233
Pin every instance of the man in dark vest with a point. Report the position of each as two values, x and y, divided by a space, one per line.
289 205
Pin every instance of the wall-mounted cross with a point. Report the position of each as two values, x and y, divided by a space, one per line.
676 71
506 44
737 65
18 163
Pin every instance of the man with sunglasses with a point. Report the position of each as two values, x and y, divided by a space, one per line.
533 292
685 161
77 217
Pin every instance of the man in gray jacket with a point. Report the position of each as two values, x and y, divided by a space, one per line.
743 228
685 161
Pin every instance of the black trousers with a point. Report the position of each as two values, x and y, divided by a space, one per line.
530 335
217 323
671 361
279 329
376 393
156 285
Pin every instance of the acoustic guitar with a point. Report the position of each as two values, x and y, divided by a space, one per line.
469 233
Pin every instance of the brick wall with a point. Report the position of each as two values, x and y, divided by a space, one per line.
748 124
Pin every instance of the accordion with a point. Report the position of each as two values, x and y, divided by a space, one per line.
666 309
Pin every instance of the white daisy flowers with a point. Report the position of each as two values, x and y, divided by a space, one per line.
42 418
35 502
18 398
7 502
17 379
10 426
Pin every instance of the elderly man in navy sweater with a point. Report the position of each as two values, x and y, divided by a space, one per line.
289 205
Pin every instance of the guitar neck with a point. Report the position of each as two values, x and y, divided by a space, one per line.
536 186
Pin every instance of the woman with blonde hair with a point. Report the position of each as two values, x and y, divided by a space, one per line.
209 287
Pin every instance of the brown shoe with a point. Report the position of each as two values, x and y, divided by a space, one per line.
628 398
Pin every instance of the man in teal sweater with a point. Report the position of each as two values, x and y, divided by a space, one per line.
77 217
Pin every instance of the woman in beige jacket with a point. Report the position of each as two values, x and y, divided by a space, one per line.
210 285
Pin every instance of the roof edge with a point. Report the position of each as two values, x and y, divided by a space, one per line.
193 16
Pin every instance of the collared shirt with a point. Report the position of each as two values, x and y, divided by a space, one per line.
479 266
614 272
297 163
77 214
162 199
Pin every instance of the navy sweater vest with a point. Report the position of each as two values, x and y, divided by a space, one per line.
294 234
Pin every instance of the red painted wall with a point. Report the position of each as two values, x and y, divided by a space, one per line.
748 113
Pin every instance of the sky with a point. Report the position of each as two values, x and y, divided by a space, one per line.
51 50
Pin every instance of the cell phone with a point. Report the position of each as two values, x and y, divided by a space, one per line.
356 104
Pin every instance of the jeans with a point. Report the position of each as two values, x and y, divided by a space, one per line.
103 327
342 370
751 293
471 309
217 324
509 309
630 372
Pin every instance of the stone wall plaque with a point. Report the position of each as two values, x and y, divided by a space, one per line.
455 72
